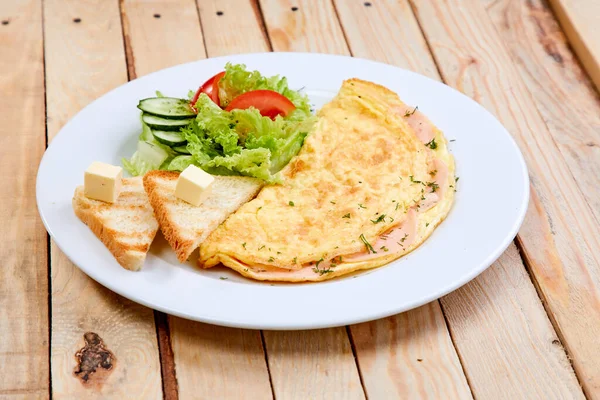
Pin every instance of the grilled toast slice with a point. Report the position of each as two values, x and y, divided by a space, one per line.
185 226
126 227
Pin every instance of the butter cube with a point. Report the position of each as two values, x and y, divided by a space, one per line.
103 182
193 185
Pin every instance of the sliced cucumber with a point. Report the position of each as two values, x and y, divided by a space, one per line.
151 153
181 149
167 107
170 138
164 124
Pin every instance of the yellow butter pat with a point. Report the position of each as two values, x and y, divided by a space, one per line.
102 182
193 185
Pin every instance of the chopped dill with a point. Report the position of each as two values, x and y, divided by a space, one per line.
378 220
370 248
432 144
434 186
408 113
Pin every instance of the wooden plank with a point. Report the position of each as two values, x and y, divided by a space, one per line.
84 59
552 74
215 362
160 34
505 338
312 364
392 34
23 245
409 355
303 25
232 27
393 26
209 361
560 238
579 20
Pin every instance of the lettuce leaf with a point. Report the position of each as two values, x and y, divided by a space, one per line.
241 142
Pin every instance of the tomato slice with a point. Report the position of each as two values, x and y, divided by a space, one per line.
211 88
268 102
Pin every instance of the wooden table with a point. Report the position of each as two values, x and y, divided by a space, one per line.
527 328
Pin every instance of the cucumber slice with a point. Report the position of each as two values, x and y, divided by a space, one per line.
167 107
170 138
151 153
181 149
164 124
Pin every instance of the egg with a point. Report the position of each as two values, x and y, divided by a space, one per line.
371 183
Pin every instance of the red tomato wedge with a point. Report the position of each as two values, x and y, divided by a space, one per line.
267 102
211 88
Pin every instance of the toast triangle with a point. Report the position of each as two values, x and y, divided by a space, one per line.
186 226
126 227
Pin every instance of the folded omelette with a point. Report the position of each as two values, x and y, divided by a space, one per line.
372 181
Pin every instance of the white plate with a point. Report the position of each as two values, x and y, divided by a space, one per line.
492 197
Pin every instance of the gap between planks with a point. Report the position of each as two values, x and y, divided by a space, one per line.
48 239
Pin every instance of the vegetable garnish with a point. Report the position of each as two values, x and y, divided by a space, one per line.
408 113
321 271
431 144
433 185
239 140
367 244
379 219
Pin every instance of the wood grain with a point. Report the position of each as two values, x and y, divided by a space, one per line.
84 59
580 20
505 338
560 237
232 27
214 362
552 74
24 345
312 27
160 34
393 24
315 364
409 356
210 361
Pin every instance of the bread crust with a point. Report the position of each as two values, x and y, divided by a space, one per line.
130 254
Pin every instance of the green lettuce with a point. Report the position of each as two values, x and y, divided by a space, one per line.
240 142
236 142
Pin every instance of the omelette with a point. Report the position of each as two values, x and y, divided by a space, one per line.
371 183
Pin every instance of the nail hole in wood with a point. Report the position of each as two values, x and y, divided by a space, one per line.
367 4
157 16
5 22
77 20
219 13
419 359
294 8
